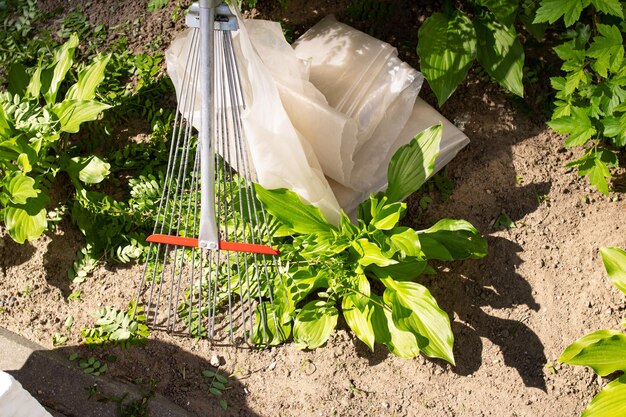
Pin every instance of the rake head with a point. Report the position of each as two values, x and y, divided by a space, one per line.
210 271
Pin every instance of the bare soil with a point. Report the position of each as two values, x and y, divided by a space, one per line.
541 287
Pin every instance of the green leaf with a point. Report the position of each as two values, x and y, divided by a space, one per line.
24 226
551 10
18 79
370 253
595 167
612 7
504 10
34 86
72 113
604 351
52 76
446 47
359 319
21 188
91 170
610 401
607 49
399 342
500 53
269 330
615 127
88 80
6 130
407 241
413 163
289 209
578 126
451 240
313 325
387 216
154 5
615 264
414 309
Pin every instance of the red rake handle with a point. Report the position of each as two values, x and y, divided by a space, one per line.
230 246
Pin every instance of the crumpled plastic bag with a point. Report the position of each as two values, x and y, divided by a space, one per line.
323 118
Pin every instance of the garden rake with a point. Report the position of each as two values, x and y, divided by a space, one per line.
210 273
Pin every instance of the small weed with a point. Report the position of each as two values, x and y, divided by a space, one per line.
218 384
74 296
58 339
118 327
503 221
69 322
91 366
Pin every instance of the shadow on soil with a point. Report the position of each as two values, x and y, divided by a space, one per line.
159 378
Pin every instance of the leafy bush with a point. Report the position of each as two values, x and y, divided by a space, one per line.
450 41
366 271
34 124
604 350
590 106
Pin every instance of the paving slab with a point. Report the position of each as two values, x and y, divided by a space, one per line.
60 386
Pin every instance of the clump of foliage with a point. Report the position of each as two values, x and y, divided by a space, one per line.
451 40
367 271
34 128
117 327
218 384
604 350
590 106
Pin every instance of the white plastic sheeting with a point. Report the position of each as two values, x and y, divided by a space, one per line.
323 118
15 401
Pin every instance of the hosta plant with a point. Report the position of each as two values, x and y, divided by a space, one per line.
368 271
34 124
604 351
590 105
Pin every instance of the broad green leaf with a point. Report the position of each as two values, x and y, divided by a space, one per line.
21 188
399 342
323 244
446 47
405 270
607 49
23 226
500 53
407 241
287 207
414 309
535 29
615 127
612 7
504 10
52 76
6 130
604 351
451 240
34 86
91 170
387 216
370 253
23 161
268 327
413 164
72 113
18 79
313 325
359 319
597 171
578 126
551 10
615 264
88 80
610 401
